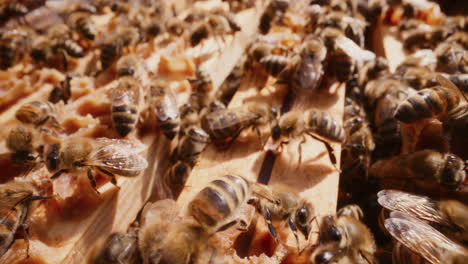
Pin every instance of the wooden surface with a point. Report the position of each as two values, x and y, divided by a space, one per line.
115 209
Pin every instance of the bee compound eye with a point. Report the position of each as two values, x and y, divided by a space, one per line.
302 215
335 233
323 257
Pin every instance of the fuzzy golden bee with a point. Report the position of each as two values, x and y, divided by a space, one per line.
165 108
108 156
38 113
21 144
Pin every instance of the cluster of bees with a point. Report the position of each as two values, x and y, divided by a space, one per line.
401 127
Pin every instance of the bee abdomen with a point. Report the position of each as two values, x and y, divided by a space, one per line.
214 203
72 48
426 103
109 53
86 28
124 118
170 127
324 125
223 126
35 112
274 64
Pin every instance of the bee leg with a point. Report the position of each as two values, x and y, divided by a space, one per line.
331 152
242 225
259 134
299 150
58 173
113 180
92 180
233 138
293 227
271 228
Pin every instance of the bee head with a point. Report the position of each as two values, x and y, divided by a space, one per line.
454 172
303 219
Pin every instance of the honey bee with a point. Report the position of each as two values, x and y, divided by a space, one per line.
308 72
13 45
425 240
352 210
20 142
128 65
112 48
59 37
445 168
168 237
280 203
229 123
11 9
331 253
451 215
278 65
451 57
191 144
276 8
62 91
231 84
109 156
118 248
16 198
83 24
165 108
419 77
345 55
38 113
434 102
216 23
316 124
125 99
350 234
202 85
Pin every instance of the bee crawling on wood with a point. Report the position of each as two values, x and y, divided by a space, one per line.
316 124
108 156
125 105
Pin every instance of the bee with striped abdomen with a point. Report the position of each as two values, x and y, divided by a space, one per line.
14 44
109 156
445 168
165 108
38 113
316 124
112 47
81 22
11 9
230 122
275 9
125 102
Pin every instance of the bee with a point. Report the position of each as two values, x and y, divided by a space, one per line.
434 102
125 99
13 45
202 85
316 124
419 77
372 70
349 233
451 58
11 9
59 37
451 215
213 24
445 168
165 108
344 54
308 73
332 253
109 156
20 142
83 24
460 80
425 240
38 113
231 84
276 8
16 198
118 248
168 237
352 210
128 65
112 48
191 144
278 65
62 91
280 203
229 123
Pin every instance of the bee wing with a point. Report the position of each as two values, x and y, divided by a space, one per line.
421 207
421 238
450 85
353 50
118 154
310 73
